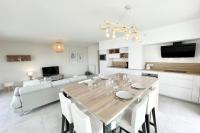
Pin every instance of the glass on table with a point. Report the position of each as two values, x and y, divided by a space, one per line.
125 77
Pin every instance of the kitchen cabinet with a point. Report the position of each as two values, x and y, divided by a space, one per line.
176 85
114 56
196 89
136 57
181 86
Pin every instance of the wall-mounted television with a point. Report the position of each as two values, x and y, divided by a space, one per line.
178 50
50 71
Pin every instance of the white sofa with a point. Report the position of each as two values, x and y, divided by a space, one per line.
37 93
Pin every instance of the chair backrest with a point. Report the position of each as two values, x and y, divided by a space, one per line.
66 107
138 114
81 121
152 100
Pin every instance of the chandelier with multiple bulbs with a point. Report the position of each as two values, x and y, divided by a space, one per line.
111 29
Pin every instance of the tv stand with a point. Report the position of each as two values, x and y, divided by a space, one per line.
53 77
56 77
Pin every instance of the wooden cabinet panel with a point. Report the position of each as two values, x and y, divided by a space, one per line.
113 51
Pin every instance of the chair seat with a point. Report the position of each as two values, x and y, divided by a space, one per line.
125 120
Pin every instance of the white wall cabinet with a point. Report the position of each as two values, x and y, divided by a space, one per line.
136 57
114 56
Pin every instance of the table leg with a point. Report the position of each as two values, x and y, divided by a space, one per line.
107 128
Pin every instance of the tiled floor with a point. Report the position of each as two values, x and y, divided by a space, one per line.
174 116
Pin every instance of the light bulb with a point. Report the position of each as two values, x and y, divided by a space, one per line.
107 35
127 36
113 35
59 46
137 37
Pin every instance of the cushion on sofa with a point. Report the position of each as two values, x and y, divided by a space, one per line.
30 89
16 102
60 82
31 82
78 78
46 82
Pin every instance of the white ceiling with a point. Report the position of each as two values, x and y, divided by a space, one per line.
79 20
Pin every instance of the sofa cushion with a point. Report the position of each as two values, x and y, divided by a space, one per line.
31 82
30 89
60 82
46 82
77 78
16 102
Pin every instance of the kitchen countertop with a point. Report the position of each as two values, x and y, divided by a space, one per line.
169 71
165 71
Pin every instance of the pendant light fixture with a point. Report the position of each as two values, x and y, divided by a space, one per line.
111 28
58 47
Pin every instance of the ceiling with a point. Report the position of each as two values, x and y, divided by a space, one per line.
79 20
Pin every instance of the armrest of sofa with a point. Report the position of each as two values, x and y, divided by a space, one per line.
16 101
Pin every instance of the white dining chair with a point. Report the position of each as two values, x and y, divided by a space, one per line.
133 119
152 105
66 113
85 123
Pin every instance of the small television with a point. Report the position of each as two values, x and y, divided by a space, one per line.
50 71
178 50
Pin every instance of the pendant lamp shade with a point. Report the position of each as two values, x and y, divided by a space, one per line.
58 47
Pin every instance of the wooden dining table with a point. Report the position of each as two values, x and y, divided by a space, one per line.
100 98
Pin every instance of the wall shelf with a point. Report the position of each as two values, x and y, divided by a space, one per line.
113 51
18 58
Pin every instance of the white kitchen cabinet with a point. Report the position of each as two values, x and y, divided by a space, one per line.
114 56
181 86
136 60
196 89
176 91
175 85
123 50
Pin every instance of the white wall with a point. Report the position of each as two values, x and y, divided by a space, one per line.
93 58
188 30
152 53
42 55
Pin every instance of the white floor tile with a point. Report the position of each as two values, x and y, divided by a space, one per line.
174 116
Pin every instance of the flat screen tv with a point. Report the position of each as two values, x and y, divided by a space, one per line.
50 71
178 50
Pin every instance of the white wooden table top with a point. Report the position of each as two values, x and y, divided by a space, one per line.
100 100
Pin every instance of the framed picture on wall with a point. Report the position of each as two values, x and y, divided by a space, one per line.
80 57
73 56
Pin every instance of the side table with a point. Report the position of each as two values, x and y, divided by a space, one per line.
8 85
